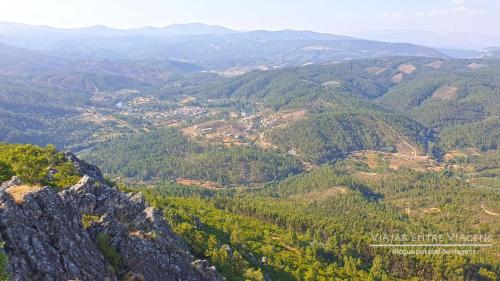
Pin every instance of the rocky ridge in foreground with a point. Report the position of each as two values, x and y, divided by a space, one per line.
122 238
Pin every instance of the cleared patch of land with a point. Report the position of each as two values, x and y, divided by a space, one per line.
476 65
407 68
446 93
331 83
379 160
199 183
240 129
417 163
398 78
369 176
319 195
263 143
283 118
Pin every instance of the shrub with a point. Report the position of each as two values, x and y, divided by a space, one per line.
109 252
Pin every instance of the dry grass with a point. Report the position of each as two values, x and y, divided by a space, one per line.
431 210
19 191
372 160
454 154
138 101
263 143
218 131
285 246
98 118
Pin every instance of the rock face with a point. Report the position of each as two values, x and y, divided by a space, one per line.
83 167
46 240
14 181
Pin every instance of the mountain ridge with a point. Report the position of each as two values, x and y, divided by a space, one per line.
211 47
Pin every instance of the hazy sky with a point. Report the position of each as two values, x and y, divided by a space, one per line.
332 16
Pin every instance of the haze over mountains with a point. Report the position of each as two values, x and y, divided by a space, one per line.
455 40
210 47
463 45
216 47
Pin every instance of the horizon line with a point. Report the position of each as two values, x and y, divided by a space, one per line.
353 33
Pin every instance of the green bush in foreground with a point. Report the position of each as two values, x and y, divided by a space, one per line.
5 171
37 165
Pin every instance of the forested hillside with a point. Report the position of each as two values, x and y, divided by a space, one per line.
484 135
167 154
437 93
333 155
405 106
77 104
318 226
330 135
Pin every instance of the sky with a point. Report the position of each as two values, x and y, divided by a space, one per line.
330 16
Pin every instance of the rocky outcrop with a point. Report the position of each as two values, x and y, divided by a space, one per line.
45 238
13 182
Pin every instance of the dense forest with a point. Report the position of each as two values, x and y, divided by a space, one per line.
329 135
484 135
317 226
168 154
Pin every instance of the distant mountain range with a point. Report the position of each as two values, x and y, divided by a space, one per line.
461 44
104 31
207 46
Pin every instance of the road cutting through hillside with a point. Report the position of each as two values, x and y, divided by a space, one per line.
398 135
